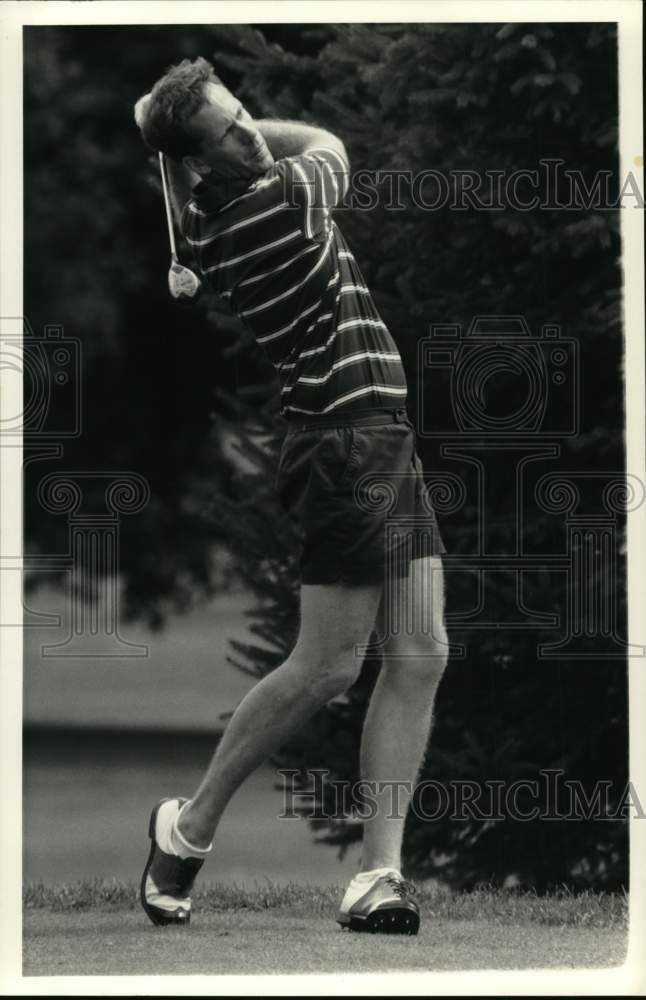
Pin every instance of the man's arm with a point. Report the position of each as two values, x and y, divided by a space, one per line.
294 138
284 138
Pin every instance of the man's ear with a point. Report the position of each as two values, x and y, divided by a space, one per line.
197 165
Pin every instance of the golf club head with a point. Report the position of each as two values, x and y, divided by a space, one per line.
183 284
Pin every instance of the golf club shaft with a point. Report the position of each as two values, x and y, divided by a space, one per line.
169 214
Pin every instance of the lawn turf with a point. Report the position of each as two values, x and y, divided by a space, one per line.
98 929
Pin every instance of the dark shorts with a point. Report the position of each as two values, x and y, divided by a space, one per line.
355 485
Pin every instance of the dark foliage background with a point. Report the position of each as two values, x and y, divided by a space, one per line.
176 394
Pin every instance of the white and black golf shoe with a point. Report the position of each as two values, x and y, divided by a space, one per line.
167 880
386 907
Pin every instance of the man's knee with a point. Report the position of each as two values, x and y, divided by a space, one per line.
419 657
332 669
335 623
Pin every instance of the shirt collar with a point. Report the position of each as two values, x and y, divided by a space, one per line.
213 197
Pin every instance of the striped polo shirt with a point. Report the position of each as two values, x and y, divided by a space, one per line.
276 254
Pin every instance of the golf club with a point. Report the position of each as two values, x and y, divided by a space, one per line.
182 282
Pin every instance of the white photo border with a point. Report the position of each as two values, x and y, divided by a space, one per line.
627 979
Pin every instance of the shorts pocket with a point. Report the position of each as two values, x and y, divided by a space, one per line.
352 461
337 456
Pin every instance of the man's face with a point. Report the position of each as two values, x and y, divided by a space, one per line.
231 144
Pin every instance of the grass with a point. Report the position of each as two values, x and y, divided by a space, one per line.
97 928
557 909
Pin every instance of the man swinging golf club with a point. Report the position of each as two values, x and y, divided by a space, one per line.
255 200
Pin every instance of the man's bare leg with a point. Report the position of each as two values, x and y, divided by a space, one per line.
398 721
334 619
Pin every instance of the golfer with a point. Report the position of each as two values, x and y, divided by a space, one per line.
255 200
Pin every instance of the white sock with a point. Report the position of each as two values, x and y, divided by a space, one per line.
168 836
375 874
362 882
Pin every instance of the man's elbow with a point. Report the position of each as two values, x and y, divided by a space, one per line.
327 140
338 147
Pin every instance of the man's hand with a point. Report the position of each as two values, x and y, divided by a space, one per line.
140 109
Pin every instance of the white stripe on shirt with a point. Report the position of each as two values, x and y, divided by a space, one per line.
355 394
252 253
308 195
205 240
296 321
290 291
280 267
345 166
342 363
348 323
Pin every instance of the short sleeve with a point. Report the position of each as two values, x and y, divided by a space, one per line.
314 184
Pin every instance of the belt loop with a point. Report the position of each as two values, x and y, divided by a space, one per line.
400 415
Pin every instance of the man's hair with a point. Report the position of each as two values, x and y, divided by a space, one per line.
174 100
